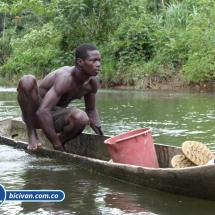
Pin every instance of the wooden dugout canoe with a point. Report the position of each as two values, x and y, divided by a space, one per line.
89 152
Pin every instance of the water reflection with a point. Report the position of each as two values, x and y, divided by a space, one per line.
121 203
8 103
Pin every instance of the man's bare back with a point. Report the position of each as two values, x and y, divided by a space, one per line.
58 89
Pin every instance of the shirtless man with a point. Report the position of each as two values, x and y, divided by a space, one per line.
45 106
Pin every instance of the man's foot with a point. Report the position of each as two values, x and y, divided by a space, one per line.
34 143
59 148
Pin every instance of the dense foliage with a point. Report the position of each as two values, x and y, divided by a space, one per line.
140 40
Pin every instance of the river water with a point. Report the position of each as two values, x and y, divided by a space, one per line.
174 116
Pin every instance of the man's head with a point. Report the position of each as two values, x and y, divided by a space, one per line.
81 51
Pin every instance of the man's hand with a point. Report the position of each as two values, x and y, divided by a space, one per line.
97 129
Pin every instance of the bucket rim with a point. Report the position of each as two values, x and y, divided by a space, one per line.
147 129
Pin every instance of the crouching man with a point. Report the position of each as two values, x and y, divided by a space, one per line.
46 107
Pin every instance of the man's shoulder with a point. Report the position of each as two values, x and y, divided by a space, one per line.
63 73
65 69
94 82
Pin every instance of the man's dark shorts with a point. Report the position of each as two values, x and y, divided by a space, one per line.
60 116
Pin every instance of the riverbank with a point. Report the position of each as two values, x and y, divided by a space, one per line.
172 84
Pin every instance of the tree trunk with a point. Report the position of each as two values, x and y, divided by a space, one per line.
2 24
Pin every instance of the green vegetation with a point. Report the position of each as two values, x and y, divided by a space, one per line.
140 41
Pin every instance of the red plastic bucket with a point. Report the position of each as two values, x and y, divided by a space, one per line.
134 147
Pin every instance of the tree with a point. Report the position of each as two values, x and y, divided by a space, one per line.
91 20
4 9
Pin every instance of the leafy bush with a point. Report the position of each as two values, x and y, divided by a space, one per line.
200 66
5 51
136 45
132 44
34 53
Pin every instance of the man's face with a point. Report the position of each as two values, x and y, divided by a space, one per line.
92 64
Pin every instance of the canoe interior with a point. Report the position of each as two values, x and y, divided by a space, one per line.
89 145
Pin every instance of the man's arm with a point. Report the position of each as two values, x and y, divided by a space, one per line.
44 113
95 123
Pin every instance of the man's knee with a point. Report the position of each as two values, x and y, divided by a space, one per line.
27 82
79 118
